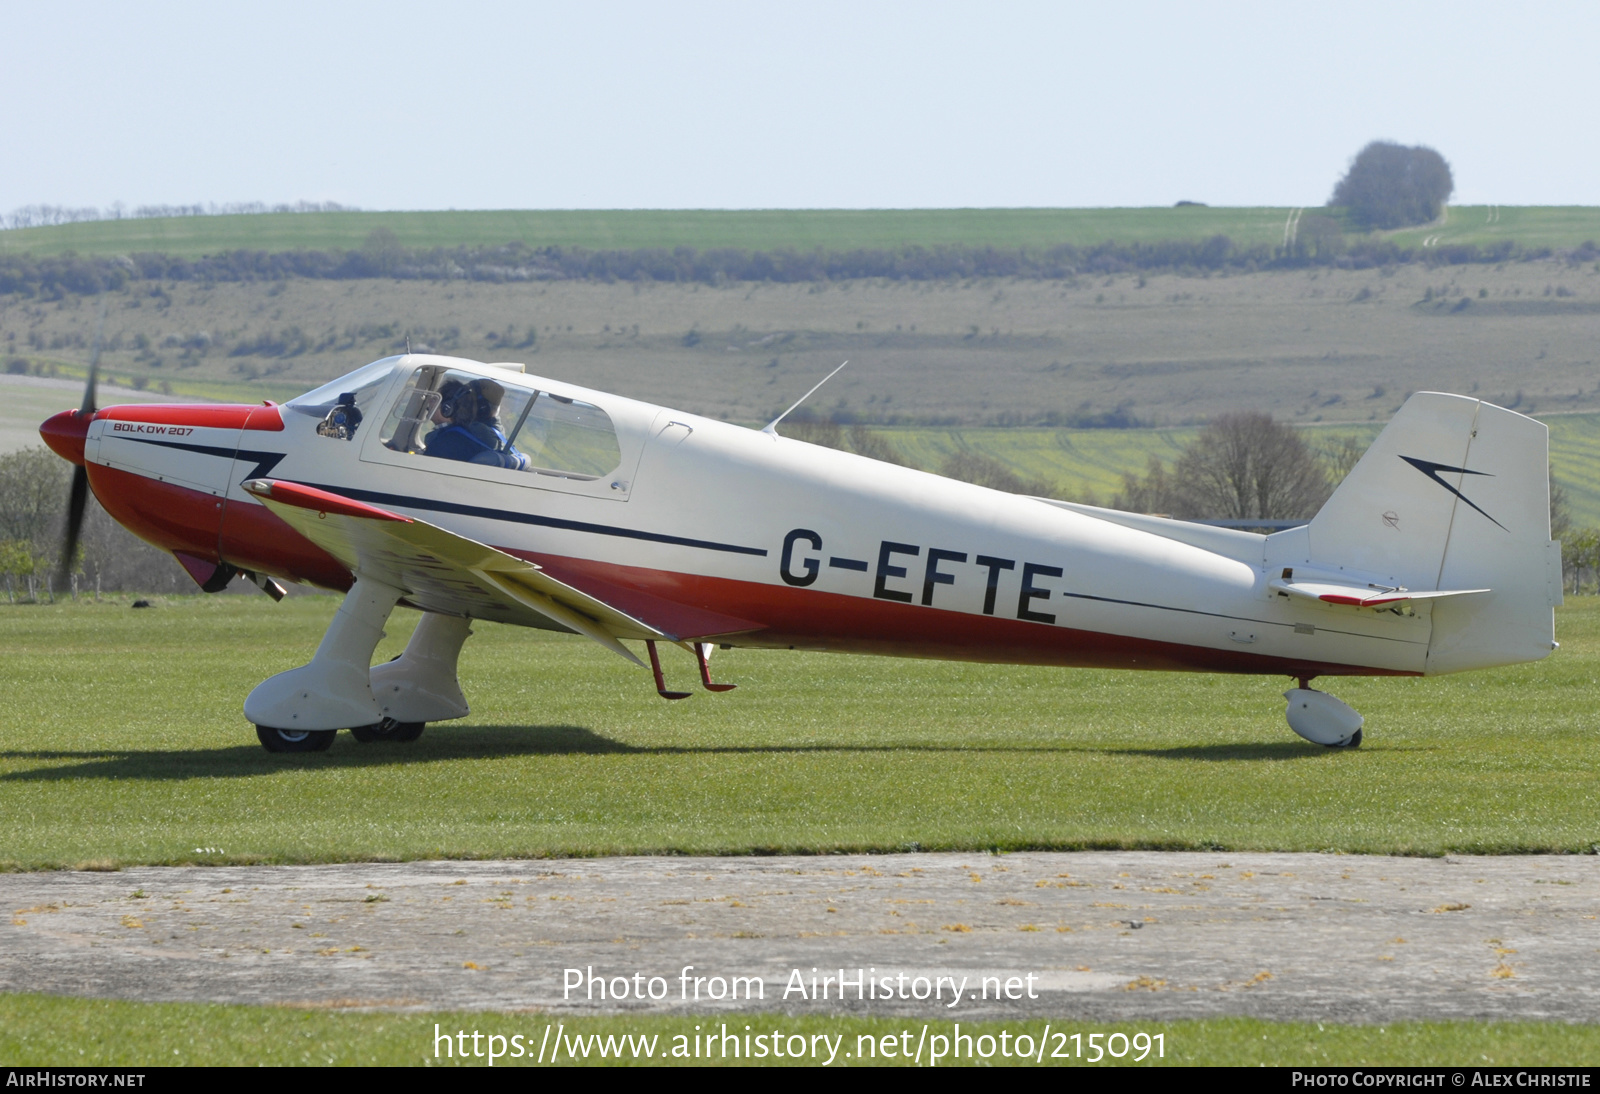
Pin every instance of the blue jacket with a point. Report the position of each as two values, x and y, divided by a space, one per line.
479 443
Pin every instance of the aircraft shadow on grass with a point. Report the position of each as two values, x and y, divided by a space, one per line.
1228 753
492 742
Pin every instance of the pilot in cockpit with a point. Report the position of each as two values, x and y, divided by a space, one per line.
468 426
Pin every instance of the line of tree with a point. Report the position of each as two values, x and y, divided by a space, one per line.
51 276
33 496
44 216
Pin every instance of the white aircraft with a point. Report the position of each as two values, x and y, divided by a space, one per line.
474 492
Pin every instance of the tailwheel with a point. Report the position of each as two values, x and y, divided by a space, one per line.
388 730
295 740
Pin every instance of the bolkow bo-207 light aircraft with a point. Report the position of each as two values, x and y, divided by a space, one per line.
581 511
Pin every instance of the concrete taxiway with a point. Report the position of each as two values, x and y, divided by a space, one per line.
1097 936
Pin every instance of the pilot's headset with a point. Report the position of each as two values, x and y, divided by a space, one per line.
458 403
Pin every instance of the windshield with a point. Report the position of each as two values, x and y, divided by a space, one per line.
365 382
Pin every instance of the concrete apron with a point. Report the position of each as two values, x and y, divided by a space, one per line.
1095 936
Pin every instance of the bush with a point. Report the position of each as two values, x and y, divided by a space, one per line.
1391 186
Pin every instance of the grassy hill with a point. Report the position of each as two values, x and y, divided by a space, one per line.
758 229
770 229
937 365
1532 226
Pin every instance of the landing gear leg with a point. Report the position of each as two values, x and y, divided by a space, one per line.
388 730
421 685
333 689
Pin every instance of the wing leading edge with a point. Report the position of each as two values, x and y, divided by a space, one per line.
445 572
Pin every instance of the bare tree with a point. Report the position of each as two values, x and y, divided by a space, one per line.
1151 494
974 467
1247 466
1241 467
33 496
1341 457
33 491
874 446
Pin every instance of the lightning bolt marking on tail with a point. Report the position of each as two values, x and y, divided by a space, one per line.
1431 469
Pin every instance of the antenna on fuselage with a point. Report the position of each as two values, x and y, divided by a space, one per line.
772 426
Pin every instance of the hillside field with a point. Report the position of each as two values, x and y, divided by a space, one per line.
1012 368
774 229
755 229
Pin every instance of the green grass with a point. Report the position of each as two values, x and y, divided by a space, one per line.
1575 462
756 229
1528 225
767 229
121 742
41 1031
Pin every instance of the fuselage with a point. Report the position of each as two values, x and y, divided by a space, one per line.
721 533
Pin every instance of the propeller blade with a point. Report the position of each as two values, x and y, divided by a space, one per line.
94 363
77 501
78 498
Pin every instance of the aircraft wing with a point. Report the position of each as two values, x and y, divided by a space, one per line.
445 572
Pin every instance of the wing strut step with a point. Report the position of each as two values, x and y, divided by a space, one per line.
702 654
655 667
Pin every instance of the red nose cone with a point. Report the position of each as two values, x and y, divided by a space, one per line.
65 433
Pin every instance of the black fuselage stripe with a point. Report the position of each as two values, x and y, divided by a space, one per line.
265 461
460 510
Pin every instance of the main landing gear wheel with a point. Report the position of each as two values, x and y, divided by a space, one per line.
388 730
295 740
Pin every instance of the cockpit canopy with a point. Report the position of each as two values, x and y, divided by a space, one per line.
498 419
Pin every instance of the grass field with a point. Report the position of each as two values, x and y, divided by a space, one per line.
121 742
771 229
757 229
1557 226
42 1031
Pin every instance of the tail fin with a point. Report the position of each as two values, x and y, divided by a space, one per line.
1455 494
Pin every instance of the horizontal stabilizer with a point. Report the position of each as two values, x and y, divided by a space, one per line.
1360 596
445 572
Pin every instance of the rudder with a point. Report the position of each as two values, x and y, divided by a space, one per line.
1454 494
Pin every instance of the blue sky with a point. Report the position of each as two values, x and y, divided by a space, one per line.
823 105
